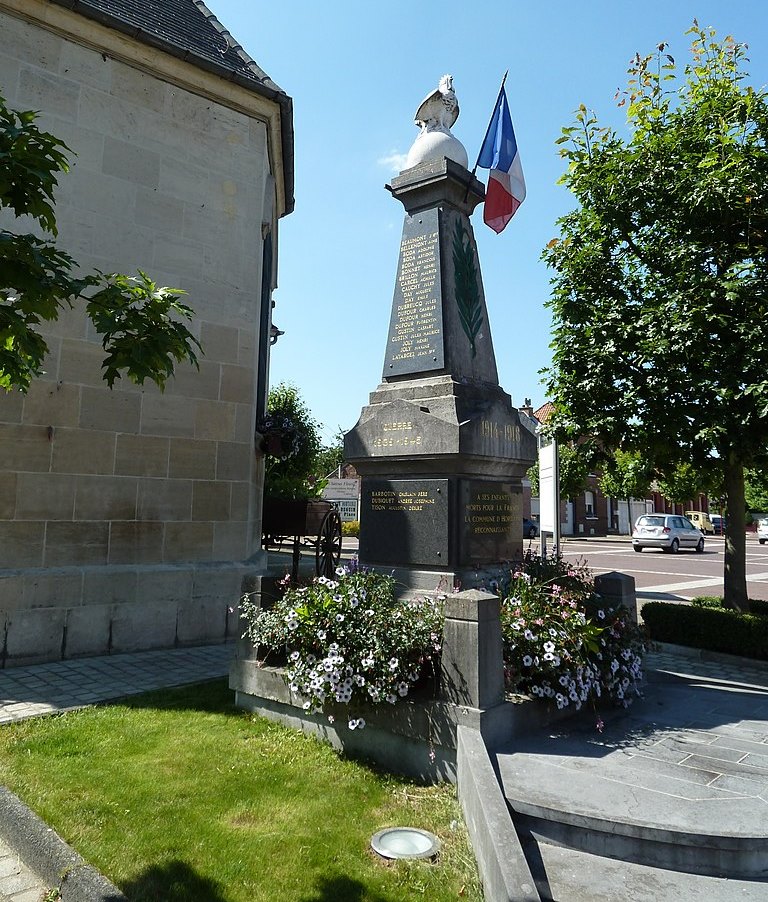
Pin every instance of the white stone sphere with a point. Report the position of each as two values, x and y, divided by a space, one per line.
434 145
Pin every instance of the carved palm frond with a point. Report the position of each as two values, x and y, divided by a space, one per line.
466 284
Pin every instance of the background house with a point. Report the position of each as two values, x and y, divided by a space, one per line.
590 512
129 518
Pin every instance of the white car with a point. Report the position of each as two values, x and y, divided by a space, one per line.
670 532
762 531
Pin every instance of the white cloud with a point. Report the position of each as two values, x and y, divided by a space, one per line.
393 161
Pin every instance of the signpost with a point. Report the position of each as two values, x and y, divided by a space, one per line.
346 494
549 496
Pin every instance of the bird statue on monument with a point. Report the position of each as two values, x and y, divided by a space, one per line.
435 116
440 109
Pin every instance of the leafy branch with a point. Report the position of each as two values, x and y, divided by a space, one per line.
467 293
141 324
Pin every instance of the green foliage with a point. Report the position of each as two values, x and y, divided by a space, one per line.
626 475
756 605
562 643
576 462
467 293
293 477
29 163
351 528
137 321
140 323
348 640
666 254
683 482
722 630
756 490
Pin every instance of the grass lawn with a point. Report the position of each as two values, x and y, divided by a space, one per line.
177 795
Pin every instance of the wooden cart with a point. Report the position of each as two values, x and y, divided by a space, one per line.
307 524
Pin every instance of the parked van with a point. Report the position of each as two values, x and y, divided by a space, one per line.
700 519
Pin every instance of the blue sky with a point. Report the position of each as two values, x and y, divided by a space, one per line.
357 72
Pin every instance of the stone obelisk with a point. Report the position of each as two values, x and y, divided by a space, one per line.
439 447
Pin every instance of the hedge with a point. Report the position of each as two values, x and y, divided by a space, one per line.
709 628
756 605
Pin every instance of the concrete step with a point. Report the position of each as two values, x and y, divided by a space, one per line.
565 875
680 782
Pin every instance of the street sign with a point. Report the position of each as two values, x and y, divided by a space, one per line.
342 489
347 510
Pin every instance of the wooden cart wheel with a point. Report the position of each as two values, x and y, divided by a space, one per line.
328 549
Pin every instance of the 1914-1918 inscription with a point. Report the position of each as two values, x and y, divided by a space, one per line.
415 341
491 522
406 521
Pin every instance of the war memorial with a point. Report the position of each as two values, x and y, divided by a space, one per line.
439 447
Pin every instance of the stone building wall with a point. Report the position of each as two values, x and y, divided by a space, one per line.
128 518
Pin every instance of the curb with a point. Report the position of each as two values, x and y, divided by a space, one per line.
49 857
501 861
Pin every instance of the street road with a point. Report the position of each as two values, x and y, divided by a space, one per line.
667 577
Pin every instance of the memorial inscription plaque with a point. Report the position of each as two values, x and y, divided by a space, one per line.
491 518
415 341
406 521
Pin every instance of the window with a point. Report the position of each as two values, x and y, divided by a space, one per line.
589 503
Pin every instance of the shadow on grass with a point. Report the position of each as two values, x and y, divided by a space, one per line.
343 889
212 696
173 881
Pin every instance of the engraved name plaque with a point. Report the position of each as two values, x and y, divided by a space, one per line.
406 521
415 340
491 520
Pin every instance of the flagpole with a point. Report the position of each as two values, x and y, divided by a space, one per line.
487 132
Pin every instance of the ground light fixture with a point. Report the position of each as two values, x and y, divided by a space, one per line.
405 842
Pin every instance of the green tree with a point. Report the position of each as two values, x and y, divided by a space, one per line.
331 456
664 257
625 475
575 466
683 482
139 322
292 464
756 490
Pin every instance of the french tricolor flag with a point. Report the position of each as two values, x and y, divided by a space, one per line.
506 185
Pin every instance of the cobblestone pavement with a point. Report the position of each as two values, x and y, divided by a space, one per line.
64 685
17 882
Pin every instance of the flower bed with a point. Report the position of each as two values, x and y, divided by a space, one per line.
562 643
348 640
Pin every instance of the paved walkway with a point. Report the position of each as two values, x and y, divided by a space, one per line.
17 882
65 685
677 786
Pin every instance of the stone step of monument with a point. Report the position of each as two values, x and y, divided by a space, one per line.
679 782
565 875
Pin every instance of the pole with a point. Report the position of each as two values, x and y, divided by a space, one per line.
556 468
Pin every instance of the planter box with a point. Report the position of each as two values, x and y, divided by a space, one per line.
416 738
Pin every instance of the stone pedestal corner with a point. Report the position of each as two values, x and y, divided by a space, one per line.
618 589
472 665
